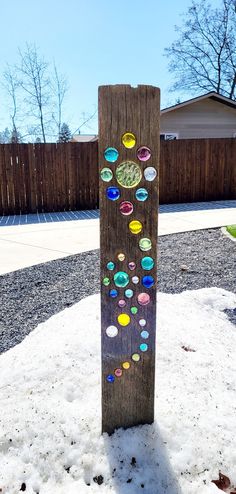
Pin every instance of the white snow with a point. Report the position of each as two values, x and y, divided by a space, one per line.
50 405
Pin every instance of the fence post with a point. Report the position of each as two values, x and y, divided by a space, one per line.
128 165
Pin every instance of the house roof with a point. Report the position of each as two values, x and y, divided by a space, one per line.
84 138
212 95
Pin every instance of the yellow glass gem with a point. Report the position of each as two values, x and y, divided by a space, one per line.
123 319
121 256
135 357
135 227
126 365
128 140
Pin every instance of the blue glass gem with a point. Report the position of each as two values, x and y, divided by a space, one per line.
145 335
110 266
113 193
110 378
141 194
113 293
143 347
147 263
111 154
129 293
148 281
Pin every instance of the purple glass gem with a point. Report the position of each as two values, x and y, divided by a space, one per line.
132 265
144 153
122 303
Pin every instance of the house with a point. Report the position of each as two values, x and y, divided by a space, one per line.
210 115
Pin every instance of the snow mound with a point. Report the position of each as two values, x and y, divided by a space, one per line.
50 441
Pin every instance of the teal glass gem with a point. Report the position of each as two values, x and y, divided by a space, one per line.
113 193
121 279
106 281
111 154
141 194
145 335
147 263
129 293
113 293
143 347
110 378
106 174
134 310
110 266
148 281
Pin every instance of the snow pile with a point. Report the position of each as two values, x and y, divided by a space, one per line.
50 440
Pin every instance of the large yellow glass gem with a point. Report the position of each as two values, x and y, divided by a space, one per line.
123 319
128 140
135 227
128 174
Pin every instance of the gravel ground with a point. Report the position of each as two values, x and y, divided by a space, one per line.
187 261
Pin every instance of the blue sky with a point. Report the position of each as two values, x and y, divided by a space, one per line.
94 43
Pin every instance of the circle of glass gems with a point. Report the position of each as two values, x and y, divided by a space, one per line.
123 319
134 310
128 140
143 347
121 257
110 378
129 293
110 266
106 174
113 193
122 303
143 299
111 154
150 173
135 227
144 153
142 322
135 280
135 357
118 372
113 293
126 208
145 244
141 194
121 279
128 174
145 335
111 331
132 265
106 281
147 263
148 281
126 365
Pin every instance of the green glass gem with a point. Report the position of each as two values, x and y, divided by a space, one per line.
134 310
147 263
145 244
110 266
128 174
121 279
106 281
106 174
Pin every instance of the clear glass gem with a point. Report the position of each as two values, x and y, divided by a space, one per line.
111 154
142 322
144 335
111 331
135 280
150 173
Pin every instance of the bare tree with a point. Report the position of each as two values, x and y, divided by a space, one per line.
59 90
11 85
204 55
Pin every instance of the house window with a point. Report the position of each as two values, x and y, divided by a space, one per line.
169 136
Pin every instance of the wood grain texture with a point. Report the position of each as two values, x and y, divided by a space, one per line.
129 400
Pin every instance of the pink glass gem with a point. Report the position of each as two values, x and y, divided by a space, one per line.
132 265
122 303
143 299
118 372
126 208
143 153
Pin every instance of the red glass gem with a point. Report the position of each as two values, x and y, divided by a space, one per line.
126 208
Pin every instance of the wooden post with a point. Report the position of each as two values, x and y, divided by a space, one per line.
128 164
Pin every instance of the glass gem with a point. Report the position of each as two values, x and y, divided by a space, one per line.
106 281
141 194
121 257
145 335
110 378
113 293
132 265
126 365
111 331
147 263
129 293
142 322
111 154
113 193
143 347
135 227
143 299
148 281
145 244
110 266
134 310
150 173
123 319
118 372
135 357
135 280
126 208
144 153
128 140
128 174
106 174
122 303
121 279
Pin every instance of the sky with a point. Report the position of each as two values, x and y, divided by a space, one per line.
94 43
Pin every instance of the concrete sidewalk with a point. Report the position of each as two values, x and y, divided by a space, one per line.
52 236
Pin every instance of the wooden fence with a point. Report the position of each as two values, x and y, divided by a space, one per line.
60 177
